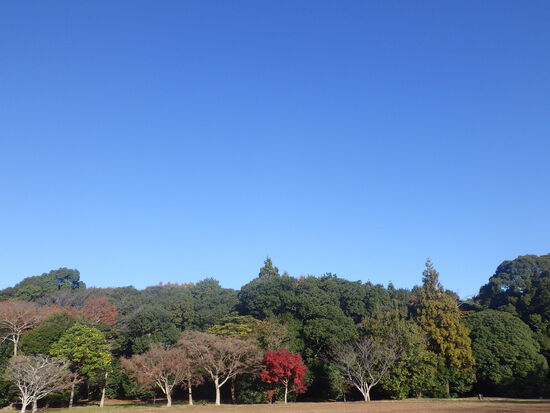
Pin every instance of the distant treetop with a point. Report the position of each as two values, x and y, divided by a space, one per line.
268 269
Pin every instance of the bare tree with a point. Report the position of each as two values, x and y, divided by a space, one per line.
64 298
16 317
36 377
365 362
160 366
222 358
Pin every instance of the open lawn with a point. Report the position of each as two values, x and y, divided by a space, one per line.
405 406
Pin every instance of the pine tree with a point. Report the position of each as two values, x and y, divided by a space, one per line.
437 313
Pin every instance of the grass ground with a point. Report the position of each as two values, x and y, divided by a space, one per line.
405 406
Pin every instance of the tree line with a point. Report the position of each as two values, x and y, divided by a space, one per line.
277 338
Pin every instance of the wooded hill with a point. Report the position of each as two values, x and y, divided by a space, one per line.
278 337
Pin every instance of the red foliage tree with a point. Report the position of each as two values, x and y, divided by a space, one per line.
98 310
286 368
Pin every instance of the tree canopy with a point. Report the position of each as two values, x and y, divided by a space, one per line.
507 356
496 344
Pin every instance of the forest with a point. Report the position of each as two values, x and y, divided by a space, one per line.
278 339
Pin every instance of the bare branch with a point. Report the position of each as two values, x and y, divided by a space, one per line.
16 317
365 362
222 358
37 376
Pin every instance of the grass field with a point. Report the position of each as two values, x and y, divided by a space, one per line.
405 406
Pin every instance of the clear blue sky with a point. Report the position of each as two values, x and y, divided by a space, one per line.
147 141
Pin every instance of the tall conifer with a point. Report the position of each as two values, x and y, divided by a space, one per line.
437 313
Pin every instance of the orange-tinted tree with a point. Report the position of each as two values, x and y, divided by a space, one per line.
160 366
98 310
16 317
285 368
222 358
192 371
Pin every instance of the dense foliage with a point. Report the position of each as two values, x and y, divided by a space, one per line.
522 287
507 355
284 368
422 342
437 313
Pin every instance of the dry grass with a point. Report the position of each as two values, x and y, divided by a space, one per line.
405 406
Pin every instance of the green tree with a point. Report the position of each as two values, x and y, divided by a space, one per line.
438 315
268 270
8 392
522 287
87 351
152 324
212 302
324 322
39 340
413 373
128 300
268 296
179 302
508 359
33 288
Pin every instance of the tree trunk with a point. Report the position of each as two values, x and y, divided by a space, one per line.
190 388
168 399
217 385
34 406
15 343
71 398
365 392
102 402
24 403
233 395
447 388
286 390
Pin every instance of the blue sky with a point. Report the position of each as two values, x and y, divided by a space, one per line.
147 141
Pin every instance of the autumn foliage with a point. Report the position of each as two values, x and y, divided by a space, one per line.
160 366
16 317
98 310
285 368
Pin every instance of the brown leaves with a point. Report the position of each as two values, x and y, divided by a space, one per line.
221 357
98 310
158 365
16 317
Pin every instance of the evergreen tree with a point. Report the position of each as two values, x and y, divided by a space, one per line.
437 313
87 352
507 355
268 269
522 287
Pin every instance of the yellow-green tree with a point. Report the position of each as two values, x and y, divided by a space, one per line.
87 352
438 314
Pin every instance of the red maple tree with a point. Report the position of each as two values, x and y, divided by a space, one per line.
286 368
